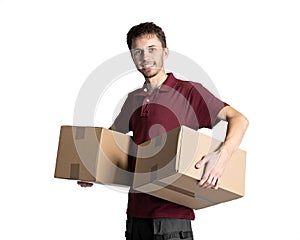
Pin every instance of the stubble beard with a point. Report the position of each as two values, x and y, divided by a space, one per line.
152 72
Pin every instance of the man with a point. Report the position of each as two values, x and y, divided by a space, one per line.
162 104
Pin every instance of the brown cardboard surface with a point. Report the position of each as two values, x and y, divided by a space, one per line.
170 172
93 154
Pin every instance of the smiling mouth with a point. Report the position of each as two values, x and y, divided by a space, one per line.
147 66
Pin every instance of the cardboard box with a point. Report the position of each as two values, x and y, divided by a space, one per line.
93 154
165 167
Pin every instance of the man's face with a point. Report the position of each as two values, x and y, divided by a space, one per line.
148 55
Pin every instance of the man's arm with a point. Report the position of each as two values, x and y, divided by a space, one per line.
216 161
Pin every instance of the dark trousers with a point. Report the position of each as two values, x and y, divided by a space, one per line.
158 229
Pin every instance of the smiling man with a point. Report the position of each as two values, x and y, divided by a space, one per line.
148 54
162 104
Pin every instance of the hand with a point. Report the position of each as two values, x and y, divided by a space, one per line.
214 163
84 184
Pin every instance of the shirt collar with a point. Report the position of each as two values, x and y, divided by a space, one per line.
166 86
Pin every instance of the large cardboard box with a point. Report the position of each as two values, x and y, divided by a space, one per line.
93 154
165 167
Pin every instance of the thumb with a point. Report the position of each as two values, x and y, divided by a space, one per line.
200 163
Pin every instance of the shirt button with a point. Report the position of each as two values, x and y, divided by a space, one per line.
147 100
145 90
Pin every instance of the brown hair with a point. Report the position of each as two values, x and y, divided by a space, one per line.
147 28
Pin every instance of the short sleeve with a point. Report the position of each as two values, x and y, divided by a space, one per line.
122 121
205 105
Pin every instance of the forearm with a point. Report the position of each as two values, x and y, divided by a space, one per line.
216 161
236 128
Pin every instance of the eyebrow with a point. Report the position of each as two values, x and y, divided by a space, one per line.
150 46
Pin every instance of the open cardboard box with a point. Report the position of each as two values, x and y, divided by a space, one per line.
165 168
93 154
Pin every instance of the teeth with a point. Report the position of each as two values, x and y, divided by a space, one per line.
147 66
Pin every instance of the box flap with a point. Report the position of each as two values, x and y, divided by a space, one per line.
156 158
112 166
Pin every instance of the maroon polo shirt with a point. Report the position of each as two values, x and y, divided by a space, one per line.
175 103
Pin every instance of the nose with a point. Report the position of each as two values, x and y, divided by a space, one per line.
146 55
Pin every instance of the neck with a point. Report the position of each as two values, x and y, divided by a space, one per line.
157 80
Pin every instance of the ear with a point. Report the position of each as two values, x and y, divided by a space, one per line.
166 53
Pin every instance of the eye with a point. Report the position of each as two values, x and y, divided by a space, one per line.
136 52
152 49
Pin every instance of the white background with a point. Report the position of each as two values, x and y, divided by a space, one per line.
251 51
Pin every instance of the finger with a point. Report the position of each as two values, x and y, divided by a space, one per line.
88 184
84 184
80 183
214 182
200 163
209 182
203 180
217 184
